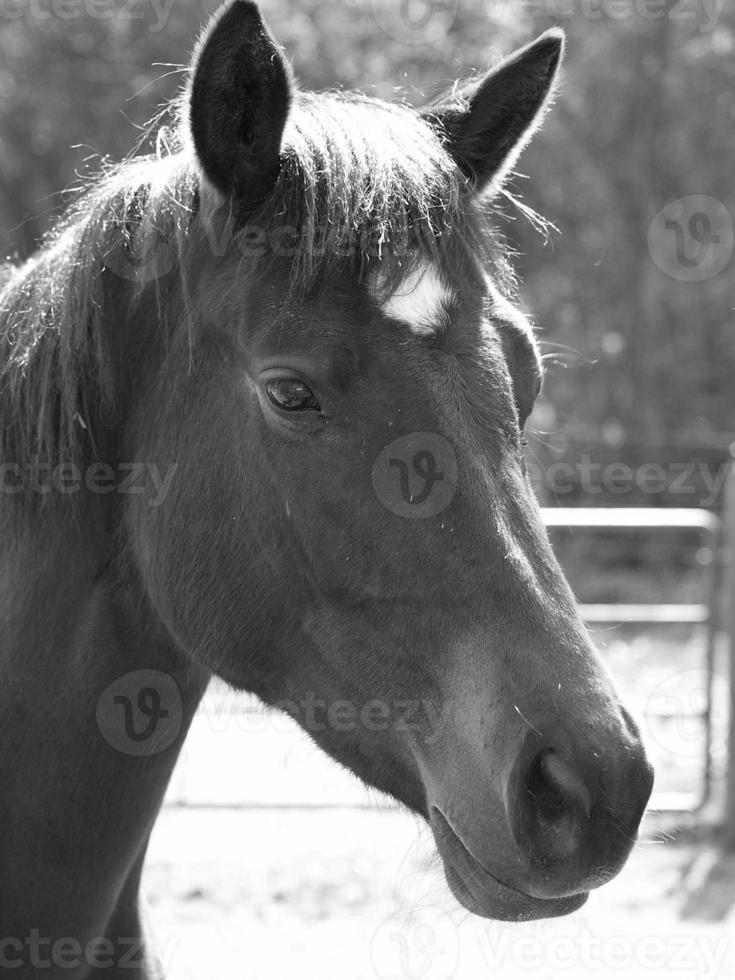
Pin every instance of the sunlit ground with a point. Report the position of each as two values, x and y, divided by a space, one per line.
359 895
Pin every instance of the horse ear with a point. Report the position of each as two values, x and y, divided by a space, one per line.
487 125
238 101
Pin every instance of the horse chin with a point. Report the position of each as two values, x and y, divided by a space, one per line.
480 892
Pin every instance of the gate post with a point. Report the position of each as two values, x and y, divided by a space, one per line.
728 625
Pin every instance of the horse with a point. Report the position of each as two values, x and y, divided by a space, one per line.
263 400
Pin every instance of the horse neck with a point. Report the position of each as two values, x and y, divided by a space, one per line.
77 805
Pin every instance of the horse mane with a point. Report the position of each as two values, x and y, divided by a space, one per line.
55 368
361 181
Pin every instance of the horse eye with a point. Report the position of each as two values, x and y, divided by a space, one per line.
292 395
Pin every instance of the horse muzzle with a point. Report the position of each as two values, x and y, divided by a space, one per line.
481 892
568 814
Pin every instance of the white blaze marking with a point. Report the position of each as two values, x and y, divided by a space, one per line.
421 300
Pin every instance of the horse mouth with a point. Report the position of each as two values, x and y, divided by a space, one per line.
481 892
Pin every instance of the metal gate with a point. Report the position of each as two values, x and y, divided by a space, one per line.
648 519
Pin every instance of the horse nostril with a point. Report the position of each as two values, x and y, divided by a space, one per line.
563 786
557 805
574 812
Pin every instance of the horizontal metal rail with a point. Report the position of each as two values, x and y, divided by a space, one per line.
635 518
659 612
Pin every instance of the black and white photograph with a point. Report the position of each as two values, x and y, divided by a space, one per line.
367 489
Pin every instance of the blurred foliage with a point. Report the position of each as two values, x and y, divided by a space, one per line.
646 115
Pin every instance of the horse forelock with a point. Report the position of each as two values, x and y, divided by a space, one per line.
366 182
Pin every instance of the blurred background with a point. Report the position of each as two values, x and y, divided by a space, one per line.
267 859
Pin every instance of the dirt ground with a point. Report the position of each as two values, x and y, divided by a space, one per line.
359 894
